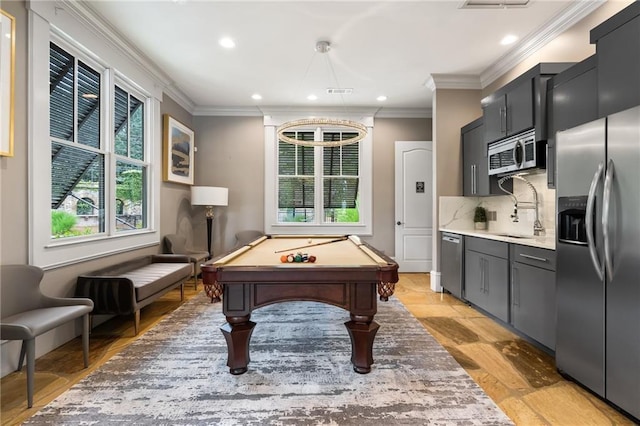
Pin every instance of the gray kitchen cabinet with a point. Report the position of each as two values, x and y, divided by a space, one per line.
520 105
475 175
617 43
509 113
533 293
573 100
486 283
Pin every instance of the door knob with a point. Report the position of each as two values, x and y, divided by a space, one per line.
398 223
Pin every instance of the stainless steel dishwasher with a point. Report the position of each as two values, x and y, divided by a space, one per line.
452 263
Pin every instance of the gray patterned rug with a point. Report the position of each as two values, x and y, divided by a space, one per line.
300 374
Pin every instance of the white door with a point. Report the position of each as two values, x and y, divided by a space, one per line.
414 198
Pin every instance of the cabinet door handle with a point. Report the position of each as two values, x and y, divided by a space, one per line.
503 119
486 270
481 275
528 256
515 288
474 185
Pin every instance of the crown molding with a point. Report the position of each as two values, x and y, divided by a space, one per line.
317 111
332 111
571 15
84 13
227 111
452 81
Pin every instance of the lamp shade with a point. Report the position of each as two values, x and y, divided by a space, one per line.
209 196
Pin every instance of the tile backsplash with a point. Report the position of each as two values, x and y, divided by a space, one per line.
457 212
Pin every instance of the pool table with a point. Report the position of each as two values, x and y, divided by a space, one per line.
347 273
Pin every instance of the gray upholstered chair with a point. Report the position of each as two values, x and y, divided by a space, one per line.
27 313
177 244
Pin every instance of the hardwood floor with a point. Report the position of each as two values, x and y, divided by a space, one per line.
521 379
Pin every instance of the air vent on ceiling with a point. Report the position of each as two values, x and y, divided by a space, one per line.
338 91
492 4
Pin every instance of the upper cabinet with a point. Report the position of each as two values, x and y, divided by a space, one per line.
520 105
573 100
475 176
509 113
618 51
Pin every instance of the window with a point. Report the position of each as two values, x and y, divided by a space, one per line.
296 180
131 171
338 180
77 157
79 150
317 189
94 143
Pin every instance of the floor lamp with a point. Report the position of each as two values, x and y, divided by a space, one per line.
209 196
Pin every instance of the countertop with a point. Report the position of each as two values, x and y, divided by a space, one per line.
542 241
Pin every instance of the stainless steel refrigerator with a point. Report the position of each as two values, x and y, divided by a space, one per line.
598 257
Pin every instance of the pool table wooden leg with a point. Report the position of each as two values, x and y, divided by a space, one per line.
362 334
237 332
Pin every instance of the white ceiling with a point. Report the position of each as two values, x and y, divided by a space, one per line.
377 48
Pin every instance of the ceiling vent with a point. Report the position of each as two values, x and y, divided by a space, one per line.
494 4
338 91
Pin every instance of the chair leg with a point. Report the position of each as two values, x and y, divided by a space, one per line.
85 339
31 368
195 275
136 322
182 292
23 352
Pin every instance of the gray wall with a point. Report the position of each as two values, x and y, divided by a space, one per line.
231 154
14 231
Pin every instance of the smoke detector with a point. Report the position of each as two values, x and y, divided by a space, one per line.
323 46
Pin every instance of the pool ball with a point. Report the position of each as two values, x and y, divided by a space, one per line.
290 258
312 259
283 258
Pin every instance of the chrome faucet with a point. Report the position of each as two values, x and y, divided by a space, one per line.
538 229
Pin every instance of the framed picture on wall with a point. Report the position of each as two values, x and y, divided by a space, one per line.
178 151
7 71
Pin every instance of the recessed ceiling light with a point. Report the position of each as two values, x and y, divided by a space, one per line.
227 43
381 98
312 97
256 96
508 39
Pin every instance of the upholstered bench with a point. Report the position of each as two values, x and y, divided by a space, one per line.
127 287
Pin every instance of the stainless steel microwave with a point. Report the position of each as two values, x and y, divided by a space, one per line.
515 153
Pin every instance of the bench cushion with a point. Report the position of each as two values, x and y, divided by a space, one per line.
36 322
152 278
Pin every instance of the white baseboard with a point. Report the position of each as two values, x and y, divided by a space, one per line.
435 281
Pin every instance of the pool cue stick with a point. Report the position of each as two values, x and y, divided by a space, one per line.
312 245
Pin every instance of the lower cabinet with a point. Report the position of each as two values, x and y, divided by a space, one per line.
514 283
533 293
487 275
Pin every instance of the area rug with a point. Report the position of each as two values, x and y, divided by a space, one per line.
300 374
